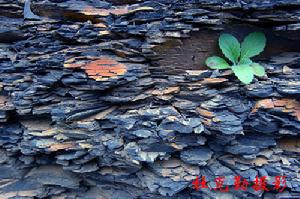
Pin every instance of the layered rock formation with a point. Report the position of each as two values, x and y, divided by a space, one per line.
111 99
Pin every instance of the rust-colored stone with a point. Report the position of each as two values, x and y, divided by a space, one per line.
60 146
212 81
99 68
265 103
205 113
167 91
285 105
281 102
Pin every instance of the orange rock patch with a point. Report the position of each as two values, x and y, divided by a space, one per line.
205 113
61 146
213 81
291 106
100 69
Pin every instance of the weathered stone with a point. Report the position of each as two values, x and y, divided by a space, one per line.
57 176
180 125
197 156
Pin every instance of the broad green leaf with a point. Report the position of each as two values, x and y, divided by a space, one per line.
230 47
216 62
244 73
245 61
252 45
258 70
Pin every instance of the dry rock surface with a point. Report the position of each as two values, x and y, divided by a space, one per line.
111 99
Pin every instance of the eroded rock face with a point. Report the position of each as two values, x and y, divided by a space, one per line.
105 99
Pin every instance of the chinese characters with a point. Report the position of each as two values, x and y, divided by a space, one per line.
258 184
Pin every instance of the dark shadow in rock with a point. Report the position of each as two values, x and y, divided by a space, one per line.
178 55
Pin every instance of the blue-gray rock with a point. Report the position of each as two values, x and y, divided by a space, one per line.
198 156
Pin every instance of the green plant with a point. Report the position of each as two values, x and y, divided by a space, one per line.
239 55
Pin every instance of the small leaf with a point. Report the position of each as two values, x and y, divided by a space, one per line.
258 70
252 45
244 73
245 61
216 62
230 47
